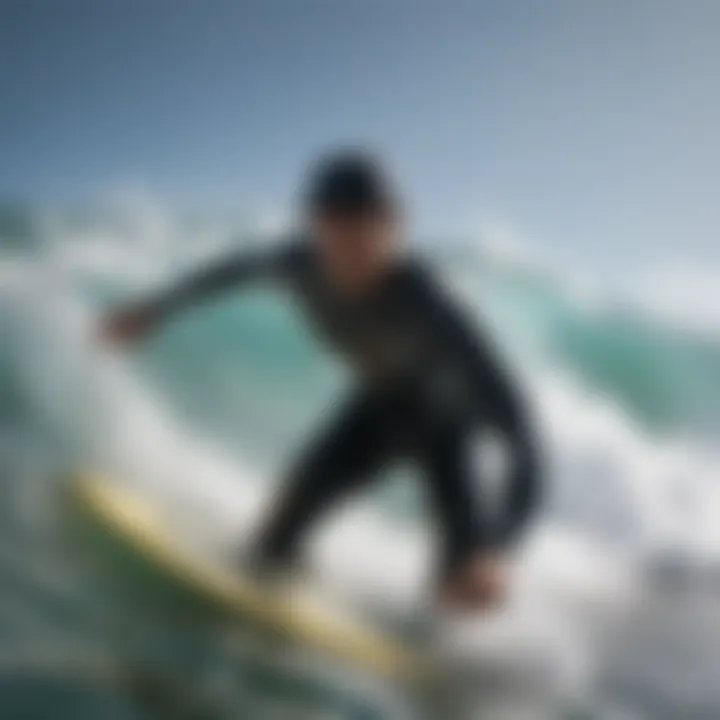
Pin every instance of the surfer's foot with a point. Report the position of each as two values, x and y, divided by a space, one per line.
270 570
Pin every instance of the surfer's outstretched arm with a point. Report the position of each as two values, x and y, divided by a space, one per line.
238 270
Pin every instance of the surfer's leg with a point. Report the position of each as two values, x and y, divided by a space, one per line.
342 457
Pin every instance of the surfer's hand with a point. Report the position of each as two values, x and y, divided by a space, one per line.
129 326
481 583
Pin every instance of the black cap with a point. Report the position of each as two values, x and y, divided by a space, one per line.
350 181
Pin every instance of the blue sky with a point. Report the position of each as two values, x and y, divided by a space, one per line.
590 126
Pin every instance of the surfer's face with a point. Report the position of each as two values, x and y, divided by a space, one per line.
356 248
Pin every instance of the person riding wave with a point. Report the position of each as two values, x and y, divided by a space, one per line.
429 382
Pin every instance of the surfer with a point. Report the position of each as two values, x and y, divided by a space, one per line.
429 381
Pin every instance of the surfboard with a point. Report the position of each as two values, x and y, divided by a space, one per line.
300 616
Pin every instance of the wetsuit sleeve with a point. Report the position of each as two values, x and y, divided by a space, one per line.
496 397
241 269
506 409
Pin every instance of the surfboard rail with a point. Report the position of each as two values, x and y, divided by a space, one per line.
130 518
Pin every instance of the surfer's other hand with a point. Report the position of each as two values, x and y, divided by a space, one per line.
480 583
128 326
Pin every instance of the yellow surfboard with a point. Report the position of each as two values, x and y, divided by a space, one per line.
301 617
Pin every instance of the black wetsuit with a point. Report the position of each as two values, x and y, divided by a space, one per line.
429 381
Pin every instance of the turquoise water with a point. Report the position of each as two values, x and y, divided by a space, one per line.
628 402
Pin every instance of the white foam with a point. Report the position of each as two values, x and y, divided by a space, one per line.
623 495
682 294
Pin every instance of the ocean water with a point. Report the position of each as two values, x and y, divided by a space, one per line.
615 608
